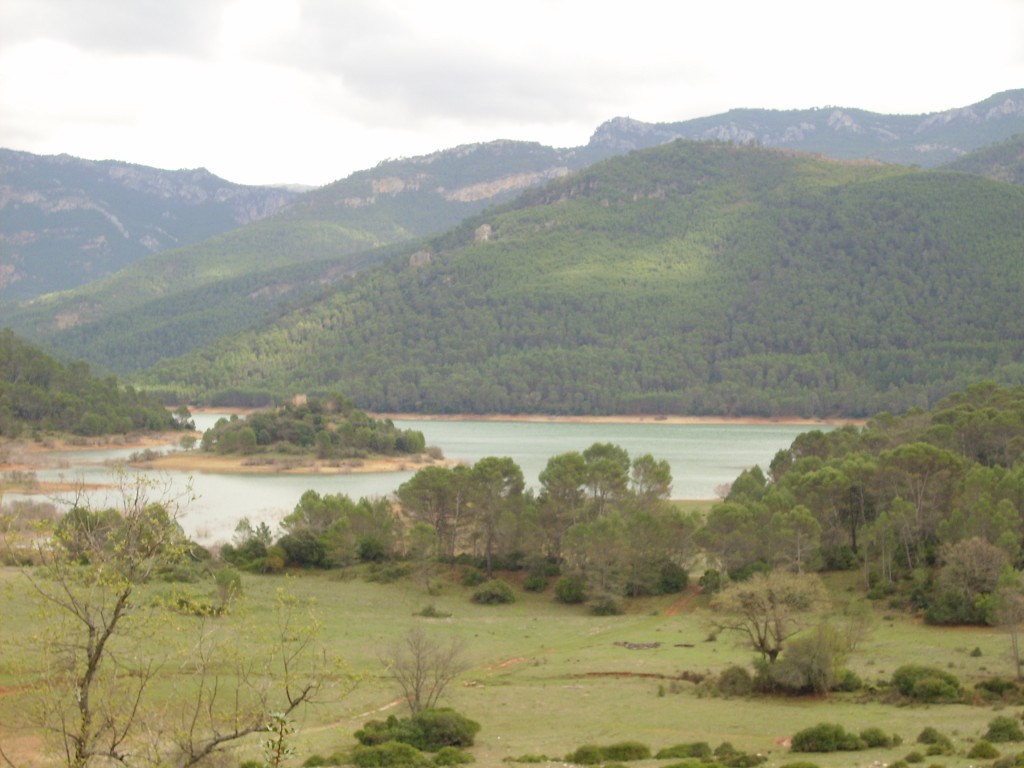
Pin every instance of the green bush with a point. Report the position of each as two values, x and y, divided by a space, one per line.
494 592
1002 729
391 753
875 737
535 582
588 754
627 750
699 749
997 688
672 578
592 754
735 681
847 681
983 750
428 730
825 737
605 605
800 764
571 590
452 756
444 727
914 757
1010 761
473 577
924 683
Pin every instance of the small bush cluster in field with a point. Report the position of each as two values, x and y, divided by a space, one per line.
494 592
592 754
403 742
696 754
938 743
1003 729
926 684
832 737
997 689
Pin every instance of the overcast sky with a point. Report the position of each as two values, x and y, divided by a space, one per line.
266 91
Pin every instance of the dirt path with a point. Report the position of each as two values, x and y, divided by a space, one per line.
683 601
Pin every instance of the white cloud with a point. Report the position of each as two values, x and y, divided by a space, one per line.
310 90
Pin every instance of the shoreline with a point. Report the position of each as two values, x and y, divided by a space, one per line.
789 421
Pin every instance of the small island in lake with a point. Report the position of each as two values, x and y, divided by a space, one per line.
305 436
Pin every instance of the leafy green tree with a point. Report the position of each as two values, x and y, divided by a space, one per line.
495 488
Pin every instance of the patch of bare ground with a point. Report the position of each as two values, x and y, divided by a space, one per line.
683 602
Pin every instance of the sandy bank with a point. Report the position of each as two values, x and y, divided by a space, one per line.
197 461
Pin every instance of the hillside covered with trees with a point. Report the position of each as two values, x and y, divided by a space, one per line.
39 394
690 278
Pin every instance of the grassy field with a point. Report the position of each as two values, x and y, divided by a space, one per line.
545 678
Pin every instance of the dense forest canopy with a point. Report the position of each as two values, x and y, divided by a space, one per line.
689 278
40 394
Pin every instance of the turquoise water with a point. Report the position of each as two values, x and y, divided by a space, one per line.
703 457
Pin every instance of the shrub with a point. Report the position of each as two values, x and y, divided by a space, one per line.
391 753
997 688
444 727
588 754
535 582
672 578
591 754
983 750
699 749
800 764
825 737
428 730
494 592
914 757
875 737
452 756
1003 728
605 605
627 750
735 681
847 681
571 590
711 582
473 577
925 683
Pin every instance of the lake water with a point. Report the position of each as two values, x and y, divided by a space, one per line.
702 457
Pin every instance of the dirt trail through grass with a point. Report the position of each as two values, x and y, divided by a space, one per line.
683 601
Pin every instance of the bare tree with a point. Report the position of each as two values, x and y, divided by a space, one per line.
104 646
1009 612
769 608
423 666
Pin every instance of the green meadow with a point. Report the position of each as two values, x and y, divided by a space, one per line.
543 678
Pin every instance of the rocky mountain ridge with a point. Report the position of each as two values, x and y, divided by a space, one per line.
927 140
65 221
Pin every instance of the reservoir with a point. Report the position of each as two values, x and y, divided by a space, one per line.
703 457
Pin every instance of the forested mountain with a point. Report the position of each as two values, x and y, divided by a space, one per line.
926 140
1003 161
179 300
688 278
39 394
66 221
175 301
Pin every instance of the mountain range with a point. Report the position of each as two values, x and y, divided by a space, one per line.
407 288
